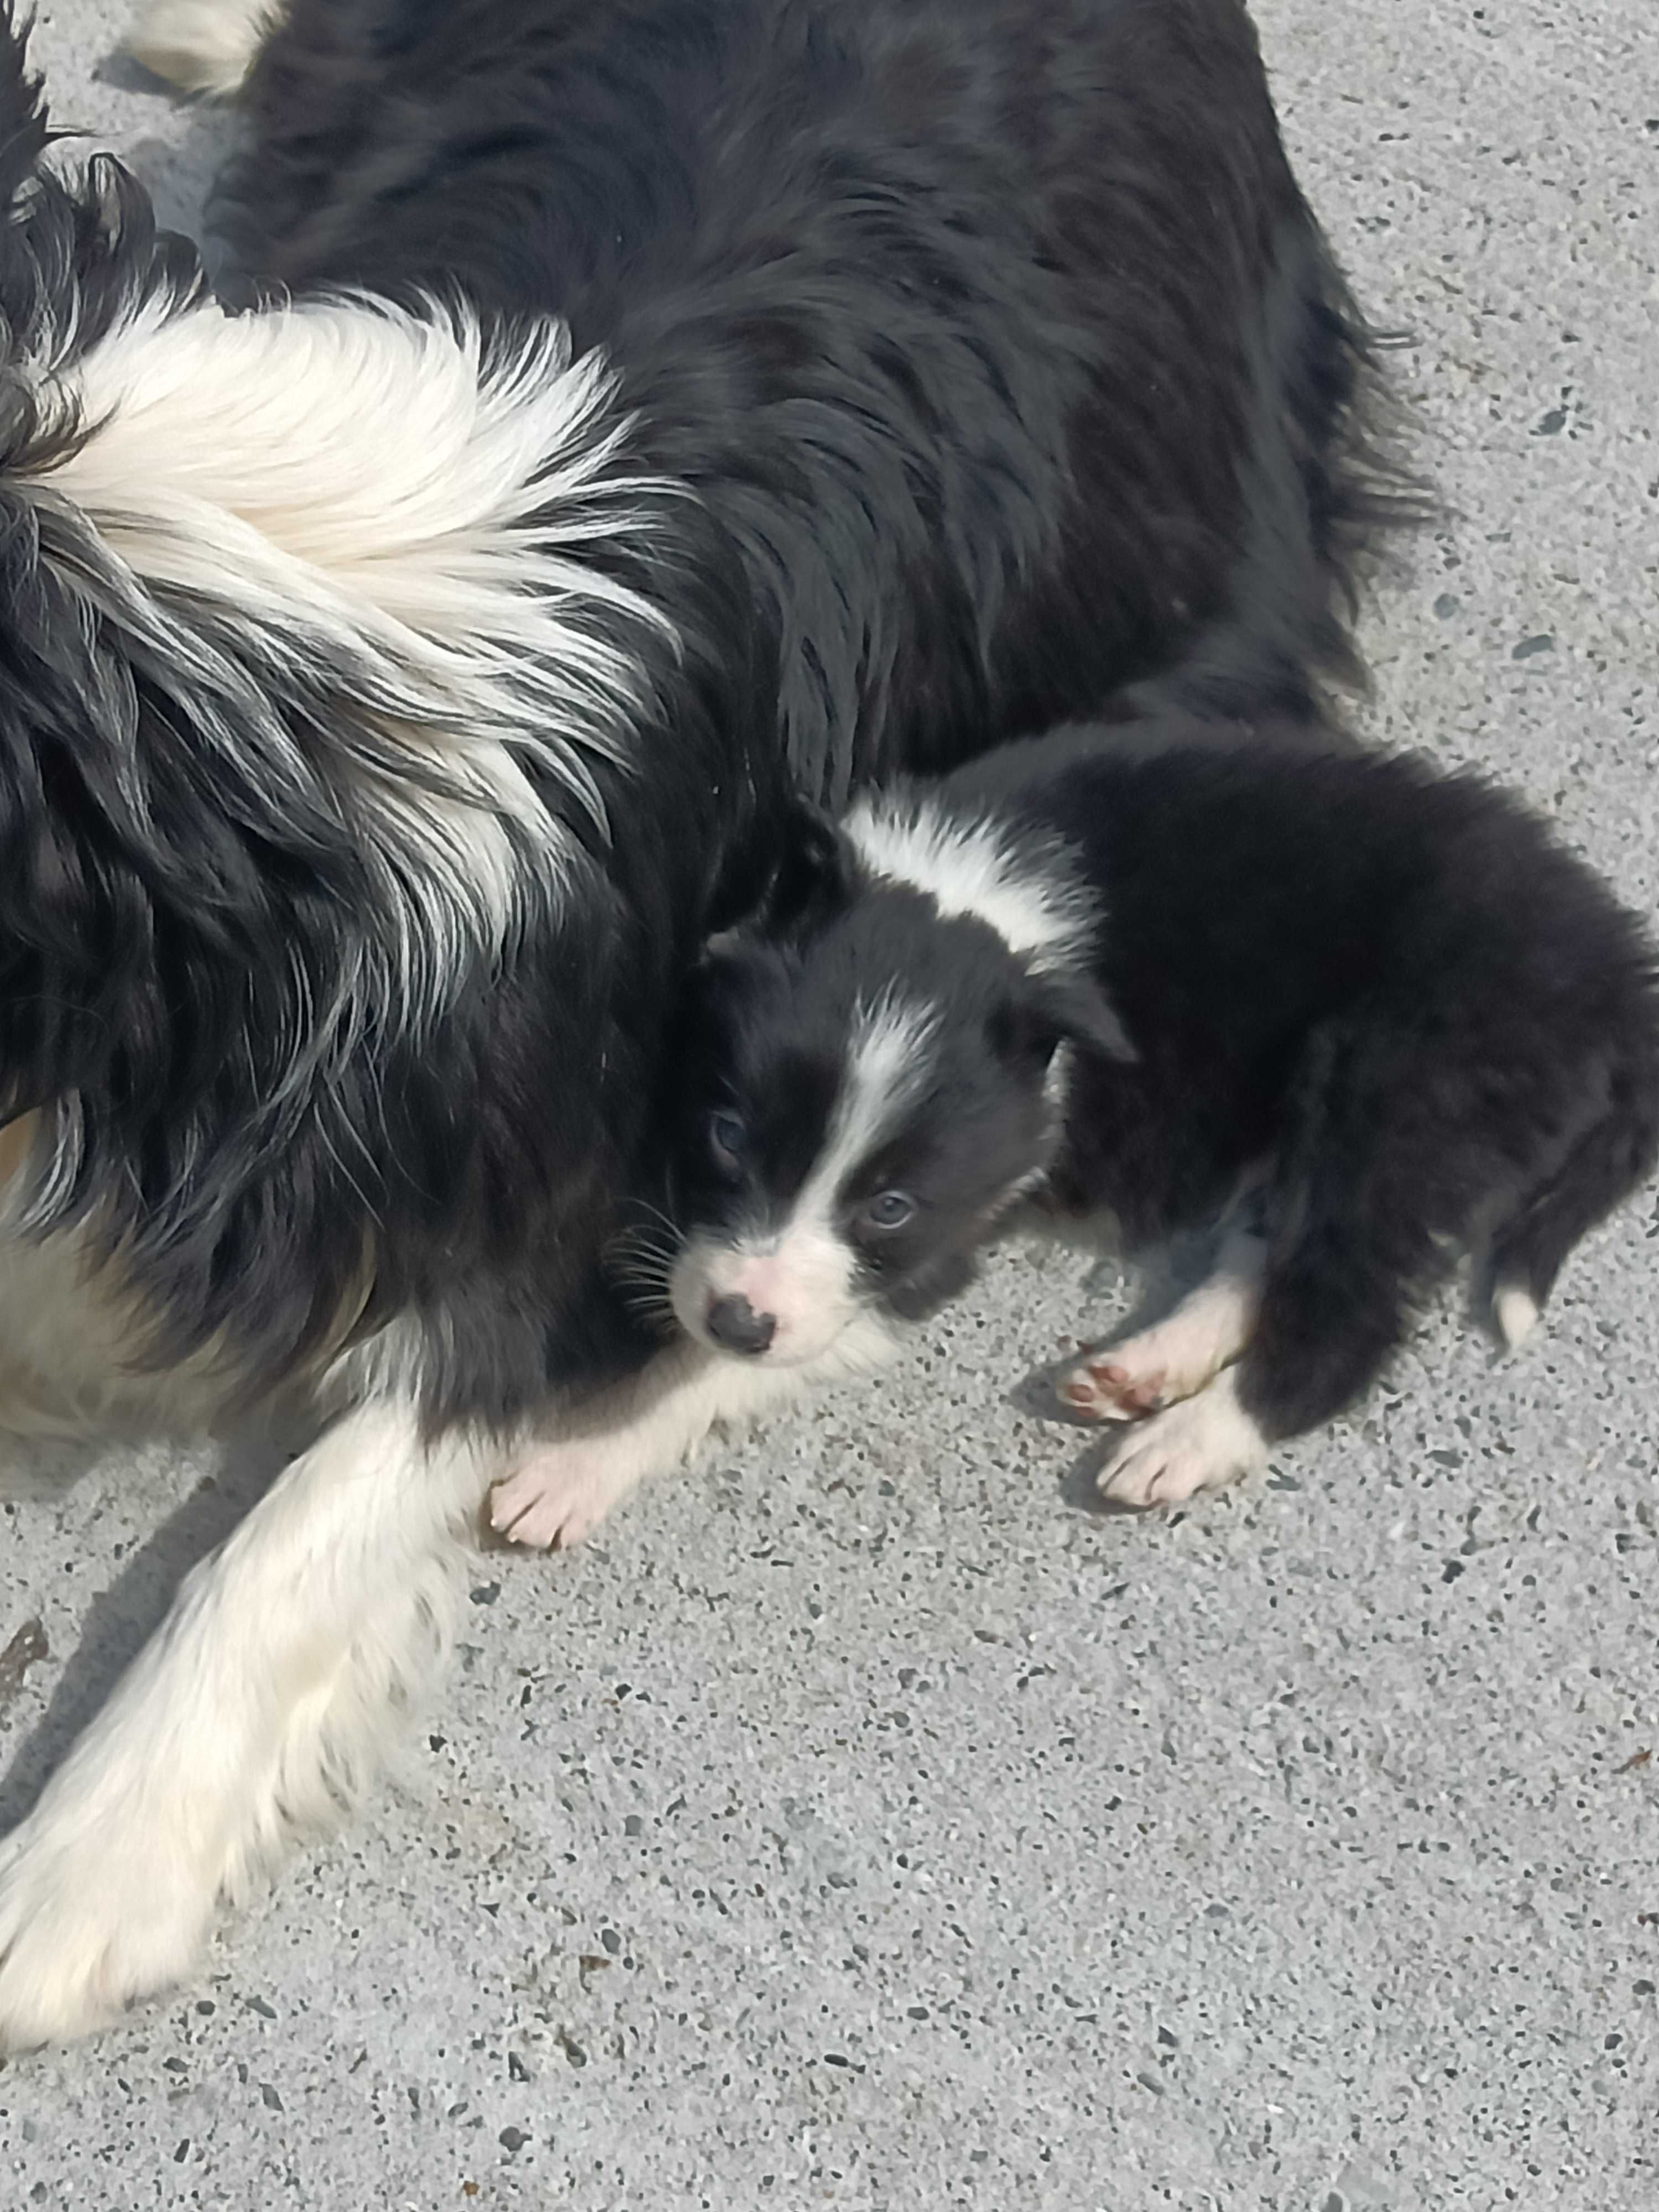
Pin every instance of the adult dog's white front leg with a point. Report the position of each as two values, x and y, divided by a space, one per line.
261 1705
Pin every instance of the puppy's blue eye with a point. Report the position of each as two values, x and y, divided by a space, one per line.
891 1209
728 1139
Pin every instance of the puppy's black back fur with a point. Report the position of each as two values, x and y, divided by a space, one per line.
1436 1026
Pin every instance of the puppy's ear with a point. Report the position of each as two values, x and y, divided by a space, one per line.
813 871
804 873
1052 1010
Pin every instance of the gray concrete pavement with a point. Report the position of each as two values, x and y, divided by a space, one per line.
861 1823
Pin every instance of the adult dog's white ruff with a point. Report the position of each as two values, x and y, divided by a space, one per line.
341 473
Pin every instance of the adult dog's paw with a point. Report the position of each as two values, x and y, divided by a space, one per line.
93 1919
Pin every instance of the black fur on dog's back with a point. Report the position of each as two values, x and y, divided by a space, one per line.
998 344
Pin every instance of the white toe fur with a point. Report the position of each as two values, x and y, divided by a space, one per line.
562 1492
566 1484
1204 1442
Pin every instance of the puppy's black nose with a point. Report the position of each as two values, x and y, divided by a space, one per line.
736 1326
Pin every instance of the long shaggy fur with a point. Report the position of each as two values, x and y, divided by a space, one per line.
649 413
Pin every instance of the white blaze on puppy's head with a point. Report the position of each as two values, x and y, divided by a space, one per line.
785 1290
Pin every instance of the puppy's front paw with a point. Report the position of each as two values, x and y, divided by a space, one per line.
1179 1356
1203 1443
560 1495
1113 1386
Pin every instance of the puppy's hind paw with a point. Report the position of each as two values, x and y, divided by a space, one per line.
1515 1314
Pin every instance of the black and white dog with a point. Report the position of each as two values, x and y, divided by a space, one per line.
650 410
1355 1018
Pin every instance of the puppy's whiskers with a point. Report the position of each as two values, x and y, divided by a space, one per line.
639 1259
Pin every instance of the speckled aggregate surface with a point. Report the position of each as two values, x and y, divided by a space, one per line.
859 1821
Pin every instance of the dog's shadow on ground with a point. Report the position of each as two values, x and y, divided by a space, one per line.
1159 1284
123 1616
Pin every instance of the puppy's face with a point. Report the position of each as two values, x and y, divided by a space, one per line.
864 1104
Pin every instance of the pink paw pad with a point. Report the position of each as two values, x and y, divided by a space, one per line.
1108 1391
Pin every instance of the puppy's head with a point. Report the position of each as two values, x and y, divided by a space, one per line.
868 1089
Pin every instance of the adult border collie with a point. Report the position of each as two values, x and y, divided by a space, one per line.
652 410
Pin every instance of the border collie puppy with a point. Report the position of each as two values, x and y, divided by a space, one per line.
1356 1017
649 410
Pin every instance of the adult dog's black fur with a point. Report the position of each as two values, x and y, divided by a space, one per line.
1353 1018
739 399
